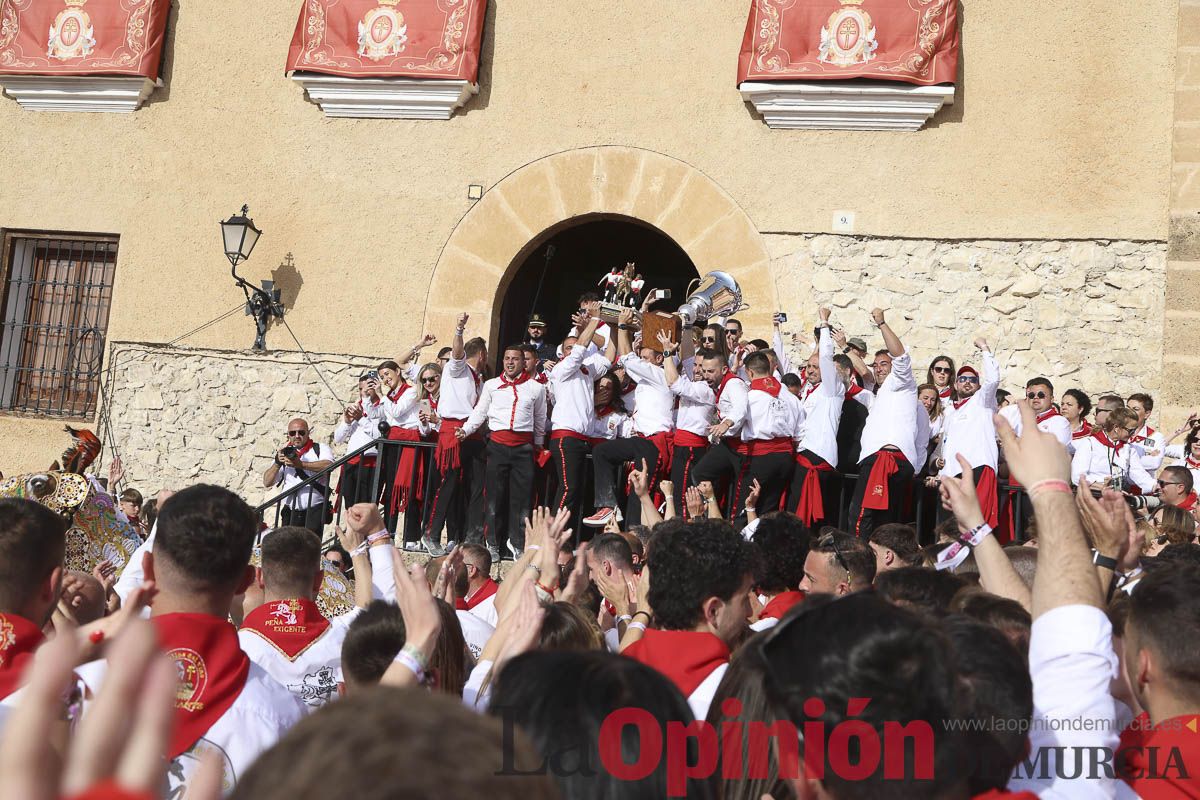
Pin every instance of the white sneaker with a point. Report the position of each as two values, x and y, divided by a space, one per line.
414 547
601 517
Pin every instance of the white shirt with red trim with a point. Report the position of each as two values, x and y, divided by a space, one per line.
1150 445
313 676
697 405
1099 459
654 406
361 431
518 406
287 477
773 415
461 385
610 425
824 415
897 418
1179 453
970 429
400 408
573 384
1049 421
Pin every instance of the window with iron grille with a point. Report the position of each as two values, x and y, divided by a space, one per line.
55 296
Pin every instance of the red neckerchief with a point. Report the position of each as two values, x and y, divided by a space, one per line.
853 390
767 384
475 377
725 379
395 394
302 450
1143 754
1191 463
630 388
18 639
812 387
685 657
505 382
1047 414
944 393
1136 439
1189 502
211 668
1083 432
604 411
778 605
960 403
484 592
1103 439
291 625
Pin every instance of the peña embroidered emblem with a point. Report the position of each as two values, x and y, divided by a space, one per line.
192 676
848 36
382 32
8 638
71 33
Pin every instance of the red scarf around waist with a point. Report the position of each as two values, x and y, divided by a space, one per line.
684 657
211 668
512 438
448 454
778 605
291 625
684 438
887 463
811 505
989 497
410 474
19 638
662 441
487 590
780 444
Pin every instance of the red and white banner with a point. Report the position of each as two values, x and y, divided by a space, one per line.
82 37
911 41
389 38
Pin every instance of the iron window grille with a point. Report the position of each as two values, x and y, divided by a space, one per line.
55 295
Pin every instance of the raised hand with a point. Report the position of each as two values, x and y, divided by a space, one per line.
1107 521
664 339
116 474
960 498
639 480
839 336
693 501
461 322
982 344
824 313
429 340
1036 455
752 495
363 519
877 316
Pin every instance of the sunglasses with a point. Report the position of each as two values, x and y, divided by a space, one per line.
708 338
337 562
444 358
1162 483
967 379
942 370
732 332
829 540
1035 395
297 433
431 379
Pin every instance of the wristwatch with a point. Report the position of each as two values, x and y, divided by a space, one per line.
1104 561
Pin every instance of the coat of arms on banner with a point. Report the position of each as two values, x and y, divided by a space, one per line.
71 33
382 32
848 37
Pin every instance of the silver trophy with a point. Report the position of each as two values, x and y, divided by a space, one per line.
717 295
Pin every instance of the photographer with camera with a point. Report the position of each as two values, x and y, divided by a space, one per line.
1106 460
296 462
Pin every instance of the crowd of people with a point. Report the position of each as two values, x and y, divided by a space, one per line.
683 615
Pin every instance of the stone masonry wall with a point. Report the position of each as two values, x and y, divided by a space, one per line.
1086 314
181 416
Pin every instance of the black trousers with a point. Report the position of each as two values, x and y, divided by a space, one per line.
773 471
312 518
457 502
725 469
830 482
865 520
607 457
508 490
683 469
356 484
568 463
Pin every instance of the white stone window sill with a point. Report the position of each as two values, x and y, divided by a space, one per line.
81 93
386 98
857 105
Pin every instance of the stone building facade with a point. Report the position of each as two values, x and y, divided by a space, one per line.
1050 207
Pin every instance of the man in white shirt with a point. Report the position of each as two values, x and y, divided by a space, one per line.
693 417
725 460
228 708
460 465
894 440
653 421
514 407
357 427
970 430
480 595
774 418
298 460
814 495
1040 394
573 382
1149 443
287 635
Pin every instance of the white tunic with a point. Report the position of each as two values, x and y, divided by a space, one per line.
654 406
970 429
697 405
1095 461
314 674
1150 445
897 418
518 407
573 382
825 414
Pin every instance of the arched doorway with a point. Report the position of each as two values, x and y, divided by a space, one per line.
496 238
584 250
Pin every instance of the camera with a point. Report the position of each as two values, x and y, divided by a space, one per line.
373 375
289 451
1143 502
780 317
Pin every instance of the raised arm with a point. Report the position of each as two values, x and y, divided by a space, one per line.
890 340
457 349
625 332
830 385
670 368
991 374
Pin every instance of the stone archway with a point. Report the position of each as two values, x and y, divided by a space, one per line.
491 240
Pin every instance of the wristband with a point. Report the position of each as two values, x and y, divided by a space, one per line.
415 653
534 567
548 590
534 547
1049 485
624 618
406 658
641 626
361 550
377 537
957 553
1107 562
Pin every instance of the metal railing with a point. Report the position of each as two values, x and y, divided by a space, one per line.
923 503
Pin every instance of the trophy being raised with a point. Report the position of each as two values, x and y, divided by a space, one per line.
715 295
